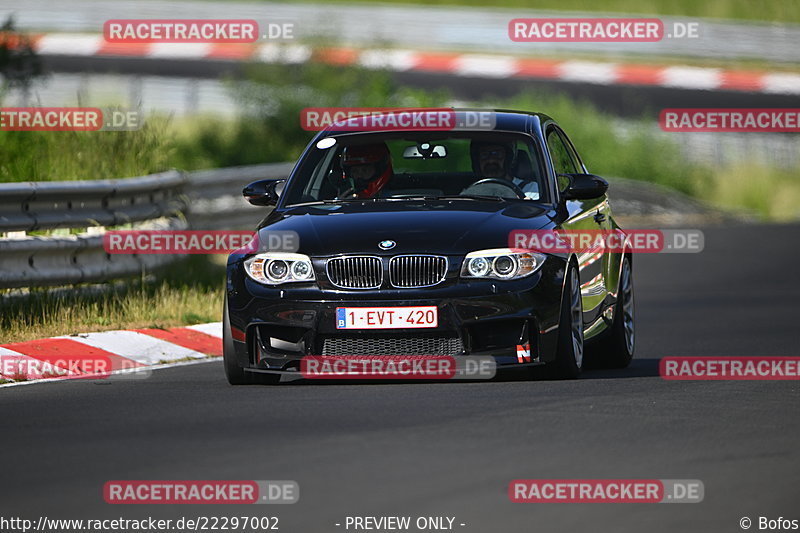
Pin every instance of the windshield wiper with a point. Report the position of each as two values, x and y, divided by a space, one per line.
339 201
478 197
315 202
449 197
468 197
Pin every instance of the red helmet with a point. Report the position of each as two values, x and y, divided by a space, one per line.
368 154
365 154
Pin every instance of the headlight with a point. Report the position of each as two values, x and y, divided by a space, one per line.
274 268
501 263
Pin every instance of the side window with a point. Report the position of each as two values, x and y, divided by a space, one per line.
576 160
526 171
324 168
564 160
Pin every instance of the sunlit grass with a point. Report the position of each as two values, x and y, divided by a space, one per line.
85 155
771 193
190 292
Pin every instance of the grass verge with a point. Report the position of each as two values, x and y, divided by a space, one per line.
188 292
772 194
72 155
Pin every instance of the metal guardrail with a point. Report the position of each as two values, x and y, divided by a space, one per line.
31 206
52 256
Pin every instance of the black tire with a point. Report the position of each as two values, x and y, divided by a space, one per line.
237 375
616 349
569 354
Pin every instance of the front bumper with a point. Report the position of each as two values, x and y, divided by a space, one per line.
274 327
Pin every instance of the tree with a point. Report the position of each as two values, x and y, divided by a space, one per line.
19 62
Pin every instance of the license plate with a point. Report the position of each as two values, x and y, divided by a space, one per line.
386 317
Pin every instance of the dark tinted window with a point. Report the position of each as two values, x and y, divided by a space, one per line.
421 164
563 159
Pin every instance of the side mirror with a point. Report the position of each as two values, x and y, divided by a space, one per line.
263 192
584 187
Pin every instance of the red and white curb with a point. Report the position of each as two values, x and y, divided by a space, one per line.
459 64
125 350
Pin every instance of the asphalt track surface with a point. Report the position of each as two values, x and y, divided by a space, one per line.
450 449
425 26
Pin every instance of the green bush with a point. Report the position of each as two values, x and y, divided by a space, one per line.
272 99
637 153
68 155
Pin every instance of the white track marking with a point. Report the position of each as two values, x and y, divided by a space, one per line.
9 359
137 346
485 66
154 367
145 349
212 328
603 73
781 83
691 77
276 53
389 59
180 50
69 45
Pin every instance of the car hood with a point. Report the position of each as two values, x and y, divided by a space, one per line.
456 226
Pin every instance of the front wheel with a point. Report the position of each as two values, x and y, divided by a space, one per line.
569 354
236 374
616 350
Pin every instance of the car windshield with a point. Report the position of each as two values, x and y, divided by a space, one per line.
491 166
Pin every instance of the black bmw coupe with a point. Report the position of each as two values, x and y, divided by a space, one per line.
400 247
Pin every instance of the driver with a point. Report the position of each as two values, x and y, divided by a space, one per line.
491 160
495 160
367 168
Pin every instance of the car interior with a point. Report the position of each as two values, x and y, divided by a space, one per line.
427 167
